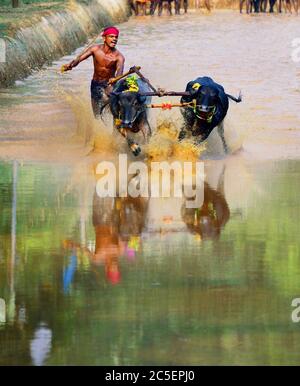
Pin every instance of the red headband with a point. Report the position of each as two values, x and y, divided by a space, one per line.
110 31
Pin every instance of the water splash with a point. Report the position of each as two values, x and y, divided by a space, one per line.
164 145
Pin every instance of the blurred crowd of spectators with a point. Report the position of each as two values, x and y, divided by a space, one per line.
149 7
257 6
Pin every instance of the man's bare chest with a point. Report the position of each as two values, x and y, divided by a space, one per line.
106 60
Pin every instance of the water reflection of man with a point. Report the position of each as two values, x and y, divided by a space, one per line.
108 246
118 224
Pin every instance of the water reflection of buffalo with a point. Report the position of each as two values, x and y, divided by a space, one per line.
208 220
118 224
129 111
209 106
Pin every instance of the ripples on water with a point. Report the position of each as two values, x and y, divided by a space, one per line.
147 281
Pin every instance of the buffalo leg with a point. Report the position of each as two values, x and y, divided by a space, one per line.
149 131
221 134
134 147
189 121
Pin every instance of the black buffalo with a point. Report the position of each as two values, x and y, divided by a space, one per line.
129 109
207 110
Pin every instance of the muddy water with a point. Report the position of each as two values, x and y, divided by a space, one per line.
147 281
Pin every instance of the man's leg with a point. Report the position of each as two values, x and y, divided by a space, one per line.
289 5
185 5
241 5
256 6
296 5
98 98
272 3
207 5
248 6
170 6
138 7
284 5
160 7
153 6
133 7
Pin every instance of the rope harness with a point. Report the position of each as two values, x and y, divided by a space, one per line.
192 105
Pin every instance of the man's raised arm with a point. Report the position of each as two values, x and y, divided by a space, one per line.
81 58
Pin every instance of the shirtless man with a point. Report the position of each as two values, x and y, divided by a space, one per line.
108 64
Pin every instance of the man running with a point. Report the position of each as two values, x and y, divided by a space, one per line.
108 64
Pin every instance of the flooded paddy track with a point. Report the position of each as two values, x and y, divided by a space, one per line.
171 53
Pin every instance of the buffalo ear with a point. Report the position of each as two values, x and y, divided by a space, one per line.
192 88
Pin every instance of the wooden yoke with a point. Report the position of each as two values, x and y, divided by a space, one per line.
168 105
132 70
